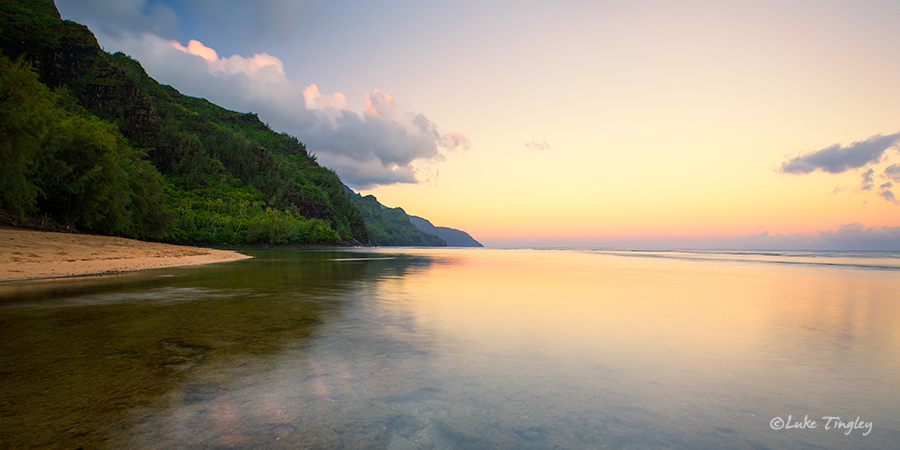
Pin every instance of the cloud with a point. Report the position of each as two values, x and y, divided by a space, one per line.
456 140
538 145
892 172
381 145
261 66
197 48
887 194
838 159
855 236
851 236
257 83
868 180
366 173
316 100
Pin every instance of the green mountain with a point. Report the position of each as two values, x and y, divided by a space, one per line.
453 237
391 226
89 141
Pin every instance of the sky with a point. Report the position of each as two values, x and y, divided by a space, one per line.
607 124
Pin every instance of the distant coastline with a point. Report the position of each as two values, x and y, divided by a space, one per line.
32 255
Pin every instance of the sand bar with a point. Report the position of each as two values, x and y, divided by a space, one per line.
27 254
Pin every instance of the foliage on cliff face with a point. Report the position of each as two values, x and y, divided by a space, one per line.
391 226
61 161
94 142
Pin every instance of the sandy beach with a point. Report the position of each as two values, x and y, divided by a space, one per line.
27 254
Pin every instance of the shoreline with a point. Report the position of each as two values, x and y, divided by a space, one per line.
27 255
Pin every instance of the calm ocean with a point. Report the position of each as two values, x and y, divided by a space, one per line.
460 348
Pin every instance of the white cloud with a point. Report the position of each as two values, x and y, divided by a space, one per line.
316 100
377 147
262 67
380 145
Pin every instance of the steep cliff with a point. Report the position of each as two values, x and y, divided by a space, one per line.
391 226
179 169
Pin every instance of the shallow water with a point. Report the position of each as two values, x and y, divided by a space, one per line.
459 348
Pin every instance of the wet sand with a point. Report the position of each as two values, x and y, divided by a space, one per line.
28 254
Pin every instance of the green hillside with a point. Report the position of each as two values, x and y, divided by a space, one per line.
90 141
391 226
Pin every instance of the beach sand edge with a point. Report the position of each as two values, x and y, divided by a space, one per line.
35 255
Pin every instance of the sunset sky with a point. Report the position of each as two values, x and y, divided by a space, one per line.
756 124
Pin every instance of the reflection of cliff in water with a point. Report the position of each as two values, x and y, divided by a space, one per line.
79 354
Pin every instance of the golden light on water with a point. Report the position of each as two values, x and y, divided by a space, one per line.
458 347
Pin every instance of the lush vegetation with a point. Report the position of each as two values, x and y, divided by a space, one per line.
391 226
88 140
63 162
453 237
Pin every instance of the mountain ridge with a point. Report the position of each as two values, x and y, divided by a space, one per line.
105 148
95 144
453 237
391 226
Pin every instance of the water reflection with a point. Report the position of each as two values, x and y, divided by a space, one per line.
455 348
81 356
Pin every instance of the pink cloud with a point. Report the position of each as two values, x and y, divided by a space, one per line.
384 144
316 100
196 47
257 63
382 104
